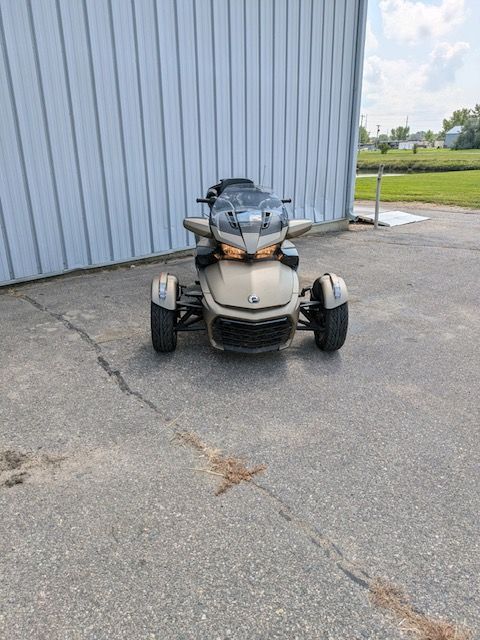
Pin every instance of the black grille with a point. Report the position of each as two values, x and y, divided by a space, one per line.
235 335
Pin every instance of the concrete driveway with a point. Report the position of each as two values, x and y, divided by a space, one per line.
110 526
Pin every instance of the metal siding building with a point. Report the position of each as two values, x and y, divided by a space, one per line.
116 114
452 135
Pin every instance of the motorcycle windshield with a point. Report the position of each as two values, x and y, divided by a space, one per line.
242 211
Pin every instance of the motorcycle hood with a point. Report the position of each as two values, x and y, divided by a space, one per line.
250 285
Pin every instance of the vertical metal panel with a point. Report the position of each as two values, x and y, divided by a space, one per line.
154 123
117 113
189 99
27 103
253 47
18 226
266 102
80 83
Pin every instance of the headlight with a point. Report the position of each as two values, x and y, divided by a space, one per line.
266 252
232 253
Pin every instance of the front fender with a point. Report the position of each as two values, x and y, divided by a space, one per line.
334 290
164 290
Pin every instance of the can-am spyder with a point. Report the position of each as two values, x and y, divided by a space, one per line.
247 295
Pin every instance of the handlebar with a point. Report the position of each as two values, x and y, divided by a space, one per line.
286 200
206 200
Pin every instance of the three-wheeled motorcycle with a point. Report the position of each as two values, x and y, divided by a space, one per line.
247 296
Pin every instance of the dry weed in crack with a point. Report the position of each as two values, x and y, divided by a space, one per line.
232 470
10 460
15 478
15 466
392 598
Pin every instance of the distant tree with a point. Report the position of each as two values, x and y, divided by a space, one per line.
384 147
469 138
440 135
430 136
415 148
400 133
459 117
363 135
418 135
382 138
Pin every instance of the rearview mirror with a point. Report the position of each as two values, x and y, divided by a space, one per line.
298 227
198 226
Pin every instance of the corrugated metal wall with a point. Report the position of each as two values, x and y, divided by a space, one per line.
116 114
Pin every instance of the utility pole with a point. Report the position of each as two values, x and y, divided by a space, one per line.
378 133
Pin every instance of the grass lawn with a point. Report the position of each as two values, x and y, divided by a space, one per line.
396 161
453 187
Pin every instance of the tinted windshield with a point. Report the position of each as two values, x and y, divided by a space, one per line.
251 208
238 198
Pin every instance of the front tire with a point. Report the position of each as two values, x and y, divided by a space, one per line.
162 322
333 323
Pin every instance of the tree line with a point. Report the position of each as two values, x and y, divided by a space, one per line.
469 138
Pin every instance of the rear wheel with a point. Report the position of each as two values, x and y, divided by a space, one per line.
163 322
333 323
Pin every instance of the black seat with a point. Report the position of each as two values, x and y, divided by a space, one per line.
217 189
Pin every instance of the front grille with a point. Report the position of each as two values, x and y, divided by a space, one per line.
235 335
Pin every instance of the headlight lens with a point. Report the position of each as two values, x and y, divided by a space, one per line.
266 252
232 253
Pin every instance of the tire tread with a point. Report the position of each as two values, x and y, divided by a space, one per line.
162 323
336 326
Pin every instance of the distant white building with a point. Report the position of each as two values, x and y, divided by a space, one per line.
452 135
409 144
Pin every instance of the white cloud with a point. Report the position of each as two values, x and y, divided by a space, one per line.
411 21
393 89
371 41
445 60
388 83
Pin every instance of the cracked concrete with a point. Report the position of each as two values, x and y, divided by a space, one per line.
353 572
371 456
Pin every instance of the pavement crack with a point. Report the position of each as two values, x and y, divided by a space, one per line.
233 472
61 318
382 594
320 540
123 385
114 374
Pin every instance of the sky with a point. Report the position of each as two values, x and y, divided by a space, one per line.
422 61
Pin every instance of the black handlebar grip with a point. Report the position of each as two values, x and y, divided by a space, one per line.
286 200
203 200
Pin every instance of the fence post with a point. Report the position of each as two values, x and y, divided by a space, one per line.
377 197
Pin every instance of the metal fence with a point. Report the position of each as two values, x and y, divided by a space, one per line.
116 114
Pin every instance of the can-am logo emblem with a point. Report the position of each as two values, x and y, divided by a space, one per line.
253 298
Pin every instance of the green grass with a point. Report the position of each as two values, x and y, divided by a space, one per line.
404 161
454 188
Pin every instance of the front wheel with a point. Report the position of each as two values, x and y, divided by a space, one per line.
162 322
333 323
